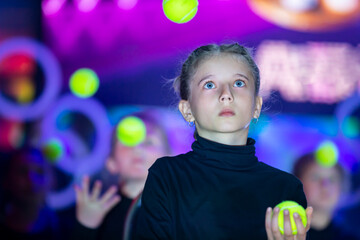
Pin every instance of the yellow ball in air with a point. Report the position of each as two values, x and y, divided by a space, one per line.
131 131
180 11
84 83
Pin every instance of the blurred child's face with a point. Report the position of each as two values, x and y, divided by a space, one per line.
322 186
133 162
28 179
222 96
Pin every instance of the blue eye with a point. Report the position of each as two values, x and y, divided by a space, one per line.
209 85
239 83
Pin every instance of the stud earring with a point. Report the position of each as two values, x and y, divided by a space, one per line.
191 124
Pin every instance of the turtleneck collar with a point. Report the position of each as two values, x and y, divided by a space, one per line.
225 156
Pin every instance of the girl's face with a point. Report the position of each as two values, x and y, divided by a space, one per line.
222 98
132 163
322 186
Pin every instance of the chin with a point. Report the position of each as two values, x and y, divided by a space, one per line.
231 129
137 176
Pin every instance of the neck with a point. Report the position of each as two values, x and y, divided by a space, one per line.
132 188
235 139
320 219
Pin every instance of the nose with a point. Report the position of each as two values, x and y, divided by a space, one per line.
326 184
226 95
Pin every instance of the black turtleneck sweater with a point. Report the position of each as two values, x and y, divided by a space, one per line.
216 191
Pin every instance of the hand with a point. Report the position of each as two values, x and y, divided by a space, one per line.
272 226
90 208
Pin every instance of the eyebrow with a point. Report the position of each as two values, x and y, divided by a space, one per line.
242 75
205 78
209 76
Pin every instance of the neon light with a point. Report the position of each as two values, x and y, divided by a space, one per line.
52 74
315 72
96 113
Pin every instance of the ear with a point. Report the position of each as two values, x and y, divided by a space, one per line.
110 165
258 105
184 108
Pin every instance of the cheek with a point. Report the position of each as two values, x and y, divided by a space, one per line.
311 189
122 153
336 189
203 109
123 160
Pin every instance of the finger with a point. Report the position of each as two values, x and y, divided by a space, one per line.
309 212
96 190
85 186
268 223
301 231
111 203
275 225
78 193
287 225
108 194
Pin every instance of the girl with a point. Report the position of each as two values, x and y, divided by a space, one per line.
103 217
219 190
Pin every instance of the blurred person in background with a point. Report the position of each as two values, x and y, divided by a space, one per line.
323 187
26 180
102 216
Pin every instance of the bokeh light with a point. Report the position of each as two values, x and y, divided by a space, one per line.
351 127
11 134
52 77
53 150
86 5
50 7
299 5
341 7
126 4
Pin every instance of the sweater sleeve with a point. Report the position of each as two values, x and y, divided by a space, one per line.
299 196
154 219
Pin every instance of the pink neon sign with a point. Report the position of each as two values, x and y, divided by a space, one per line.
319 72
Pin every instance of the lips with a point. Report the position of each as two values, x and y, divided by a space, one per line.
226 113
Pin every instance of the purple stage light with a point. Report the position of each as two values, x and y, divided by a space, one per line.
50 7
126 4
86 5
